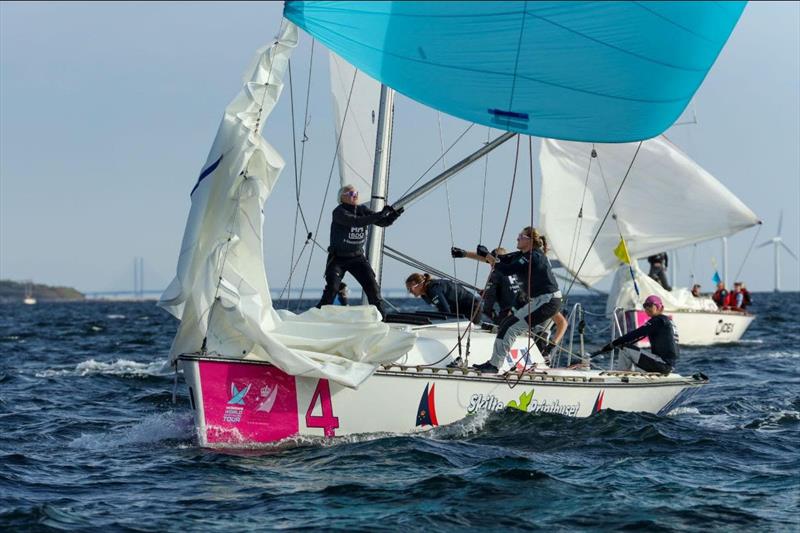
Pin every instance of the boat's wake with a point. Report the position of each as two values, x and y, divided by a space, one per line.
120 367
172 425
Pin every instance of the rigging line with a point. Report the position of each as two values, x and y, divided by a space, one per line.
296 182
576 233
288 283
694 253
516 59
306 119
605 217
414 263
483 197
438 159
748 252
450 221
510 196
328 185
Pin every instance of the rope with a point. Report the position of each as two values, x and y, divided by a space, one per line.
483 197
576 233
605 217
437 160
328 185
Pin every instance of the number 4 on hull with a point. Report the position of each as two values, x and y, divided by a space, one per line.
327 421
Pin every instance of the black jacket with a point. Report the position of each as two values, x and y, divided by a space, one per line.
349 228
542 280
662 335
444 294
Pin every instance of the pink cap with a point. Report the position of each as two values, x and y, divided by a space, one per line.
654 300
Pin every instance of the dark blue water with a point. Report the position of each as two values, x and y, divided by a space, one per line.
90 438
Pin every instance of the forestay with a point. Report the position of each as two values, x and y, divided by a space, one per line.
590 71
221 293
668 202
355 104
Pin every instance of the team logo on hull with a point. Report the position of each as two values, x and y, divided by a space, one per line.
426 412
598 403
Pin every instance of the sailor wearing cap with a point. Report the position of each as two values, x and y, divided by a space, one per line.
663 341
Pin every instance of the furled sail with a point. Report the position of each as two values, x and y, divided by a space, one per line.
668 201
587 71
355 104
220 293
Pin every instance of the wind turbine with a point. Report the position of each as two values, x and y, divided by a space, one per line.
777 242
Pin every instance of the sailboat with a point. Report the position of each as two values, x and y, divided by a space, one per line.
29 299
593 198
257 375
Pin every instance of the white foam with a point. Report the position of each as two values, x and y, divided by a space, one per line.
115 317
120 367
153 428
782 355
684 411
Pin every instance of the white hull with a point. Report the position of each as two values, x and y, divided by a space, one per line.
697 328
240 403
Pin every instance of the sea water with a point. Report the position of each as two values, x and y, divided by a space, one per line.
90 438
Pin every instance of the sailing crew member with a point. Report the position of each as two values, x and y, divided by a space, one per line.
539 289
696 290
720 296
502 293
346 250
658 269
663 341
446 295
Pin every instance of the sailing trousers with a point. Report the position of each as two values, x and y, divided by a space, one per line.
644 360
359 268
539 310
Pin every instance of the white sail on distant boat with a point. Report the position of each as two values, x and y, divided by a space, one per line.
29 299
668 201
340 371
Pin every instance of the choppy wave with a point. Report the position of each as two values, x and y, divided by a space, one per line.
120 367
90 439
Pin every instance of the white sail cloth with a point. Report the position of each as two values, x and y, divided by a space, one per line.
623 293
220 292
356 97
668 201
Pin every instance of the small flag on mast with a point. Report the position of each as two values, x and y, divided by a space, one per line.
716 279
621 251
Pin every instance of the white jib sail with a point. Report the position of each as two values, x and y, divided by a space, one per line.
668 201
220 292
355 105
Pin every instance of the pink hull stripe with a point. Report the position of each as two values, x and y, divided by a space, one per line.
248 403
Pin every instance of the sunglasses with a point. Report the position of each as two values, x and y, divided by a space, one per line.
351 194
522 236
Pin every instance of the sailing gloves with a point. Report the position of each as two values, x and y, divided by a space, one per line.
389 214
457 252
481 251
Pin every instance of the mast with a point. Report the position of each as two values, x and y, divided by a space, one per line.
380 179
725 261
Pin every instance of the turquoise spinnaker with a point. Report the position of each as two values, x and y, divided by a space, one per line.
580 71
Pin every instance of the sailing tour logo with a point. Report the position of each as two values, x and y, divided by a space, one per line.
235 406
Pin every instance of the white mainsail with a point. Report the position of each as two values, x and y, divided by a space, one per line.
668 201
220 293
355 104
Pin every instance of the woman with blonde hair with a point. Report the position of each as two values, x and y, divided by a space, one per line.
539 287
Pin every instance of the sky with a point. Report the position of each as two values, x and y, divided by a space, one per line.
108 110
